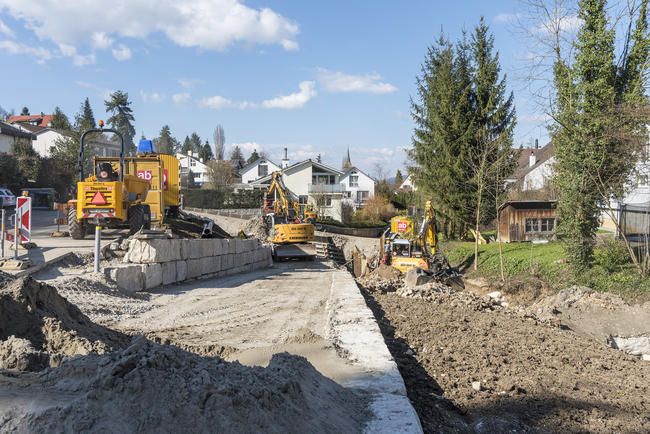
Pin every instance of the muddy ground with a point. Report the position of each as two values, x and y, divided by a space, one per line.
465 359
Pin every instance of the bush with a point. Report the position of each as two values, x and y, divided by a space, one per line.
377 208
612 256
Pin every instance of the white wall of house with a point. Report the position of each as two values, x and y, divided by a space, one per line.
197 168
540 176
44 141
257 170
6 142
408 184
359 187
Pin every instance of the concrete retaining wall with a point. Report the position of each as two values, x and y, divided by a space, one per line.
153 262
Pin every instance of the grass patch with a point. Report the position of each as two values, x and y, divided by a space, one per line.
546 262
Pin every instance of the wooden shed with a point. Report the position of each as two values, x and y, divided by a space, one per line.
527 220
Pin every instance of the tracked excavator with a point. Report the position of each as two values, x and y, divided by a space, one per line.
290 227
403 248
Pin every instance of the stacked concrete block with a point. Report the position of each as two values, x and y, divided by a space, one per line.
155 262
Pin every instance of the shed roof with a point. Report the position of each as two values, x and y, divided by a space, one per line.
530 204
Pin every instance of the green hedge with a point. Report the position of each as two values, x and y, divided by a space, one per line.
354 224
222 198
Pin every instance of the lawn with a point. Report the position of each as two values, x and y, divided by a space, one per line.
546 261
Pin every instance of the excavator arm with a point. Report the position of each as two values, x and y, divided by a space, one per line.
427 234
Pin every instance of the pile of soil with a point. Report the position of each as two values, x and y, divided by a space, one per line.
471 365
154 388
38 328
255 228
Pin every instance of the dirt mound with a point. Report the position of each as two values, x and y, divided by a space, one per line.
255 228
462 361
149 388
36 320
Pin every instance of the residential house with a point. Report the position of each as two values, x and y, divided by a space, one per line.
257 169
314 183
41 120
407 184
9 134
358 186
46 137
194 167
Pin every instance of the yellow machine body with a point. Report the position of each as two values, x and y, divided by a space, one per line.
111 198
160 172
405 264
292 233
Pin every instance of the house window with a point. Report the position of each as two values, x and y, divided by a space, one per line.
323 179
324 201
642 181
540 225
362 196
354 180
262 170
192 163
303 199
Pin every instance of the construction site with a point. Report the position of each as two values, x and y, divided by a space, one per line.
176 321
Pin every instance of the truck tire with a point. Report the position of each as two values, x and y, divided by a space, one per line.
76 228
136 218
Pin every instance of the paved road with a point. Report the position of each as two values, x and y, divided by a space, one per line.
49 248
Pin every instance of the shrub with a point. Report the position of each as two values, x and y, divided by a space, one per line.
612 256
377 208
222 198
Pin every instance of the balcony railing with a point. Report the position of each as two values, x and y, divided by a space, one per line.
324 188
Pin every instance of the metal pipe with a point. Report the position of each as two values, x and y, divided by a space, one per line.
17 219
98 242
2 237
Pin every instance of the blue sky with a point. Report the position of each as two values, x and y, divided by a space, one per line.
317 77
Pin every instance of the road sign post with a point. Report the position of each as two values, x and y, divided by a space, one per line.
23 226
2 240
98 243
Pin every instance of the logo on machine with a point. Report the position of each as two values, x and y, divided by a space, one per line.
401 226
147 175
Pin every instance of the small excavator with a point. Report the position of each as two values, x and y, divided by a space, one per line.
403 249
290 231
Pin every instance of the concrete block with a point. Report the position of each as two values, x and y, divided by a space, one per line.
185 249
217 245
129 278
168 272
155 250
201 248
152 275
211 264
232 246
181 270
194 268
229 261
239 246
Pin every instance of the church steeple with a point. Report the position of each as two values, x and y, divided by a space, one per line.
347 163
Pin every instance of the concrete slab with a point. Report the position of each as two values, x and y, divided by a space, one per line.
168 272
128 278
181 271
152 275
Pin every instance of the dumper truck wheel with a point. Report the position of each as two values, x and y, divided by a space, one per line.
76 228
136 218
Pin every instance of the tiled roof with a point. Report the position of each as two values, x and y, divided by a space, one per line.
10 130
41 120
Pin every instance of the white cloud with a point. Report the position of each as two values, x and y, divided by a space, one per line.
154 97
505 18
121 52
341 82
5 30
205 24
12 47
249 147
101 40
295 100
216 102
181 98
568 23
188 83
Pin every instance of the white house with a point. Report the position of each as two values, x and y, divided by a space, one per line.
9 134
407 184
314 183
358 186
45 137
257 169
535 167
191 165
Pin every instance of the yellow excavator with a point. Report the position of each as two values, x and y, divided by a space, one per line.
290 230
403 249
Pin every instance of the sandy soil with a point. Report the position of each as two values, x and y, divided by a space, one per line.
471 365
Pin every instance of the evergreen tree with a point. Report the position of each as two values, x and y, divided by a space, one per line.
399 178
206 152
237 155
86 117
165 142
196 143
187 146
122 118
28 160
318 158
254 157
24 111
60 121
598 135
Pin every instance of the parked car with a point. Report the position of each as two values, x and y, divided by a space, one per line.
7 198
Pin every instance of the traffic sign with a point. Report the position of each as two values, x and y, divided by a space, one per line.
24 218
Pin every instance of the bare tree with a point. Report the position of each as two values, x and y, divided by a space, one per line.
220 173
219 142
